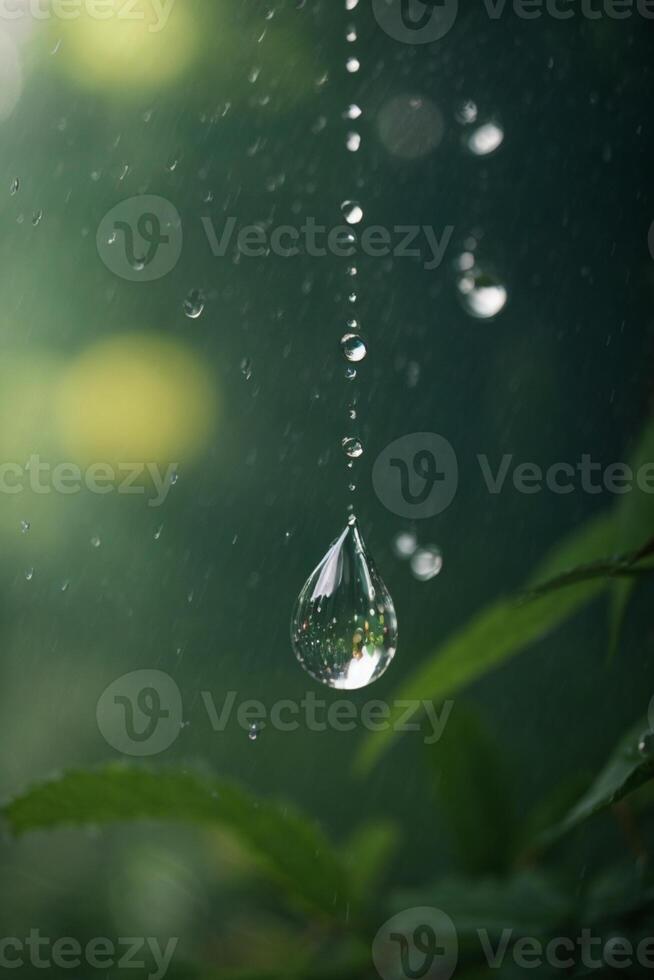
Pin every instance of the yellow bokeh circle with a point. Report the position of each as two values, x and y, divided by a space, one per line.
135 398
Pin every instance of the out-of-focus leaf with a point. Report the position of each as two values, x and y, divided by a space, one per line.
635 521
616 892
285 843
627 769
367 853
502 630
474 794
622 566
529 903
551 810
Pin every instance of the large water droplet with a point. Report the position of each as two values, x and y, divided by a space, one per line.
353 347
485 139
344 627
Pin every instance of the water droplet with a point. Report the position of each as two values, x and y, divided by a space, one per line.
482 295
352 212
15 186
29 574
353 142
194 304
95 541
158 532
37 217
65 586
467 112
352 447
253 733
350 373
246 368
485 139
405 544
354 347
352 65
646 744
344 627
426 563
353 112
25 526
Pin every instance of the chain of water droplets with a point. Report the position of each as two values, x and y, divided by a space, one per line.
353 345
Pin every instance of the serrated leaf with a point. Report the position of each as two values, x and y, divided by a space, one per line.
286 844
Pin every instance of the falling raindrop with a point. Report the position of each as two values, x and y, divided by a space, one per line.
15 186
25 526
354 347
405 544
485 139
426 563
352 65
246 368
350 373
352 212
194 304
344 627
353 142
37 217
29 574
482 295
352 447
95 541
253 733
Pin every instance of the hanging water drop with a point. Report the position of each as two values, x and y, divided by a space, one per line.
352 212
344 627
194 304
353 347
352 447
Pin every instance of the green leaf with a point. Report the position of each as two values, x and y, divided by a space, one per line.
367 853
501 630
635 520
528 903
474 794
286 844
627 769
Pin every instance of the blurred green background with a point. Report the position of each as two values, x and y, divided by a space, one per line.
235 109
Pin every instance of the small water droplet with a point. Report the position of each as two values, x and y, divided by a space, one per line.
158 532
29 574
353 142
350 373
25 526
194 304
352 212
427 563
246 368
95 541
37 217
65 586
467 112
344 627
485 139
15 186
482 295
352 65
354 347
646 744
405 544
352 447
253 733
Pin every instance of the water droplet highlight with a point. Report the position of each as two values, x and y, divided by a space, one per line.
194 304
352 447
352 212
427 563
353 347
482 295
344 627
